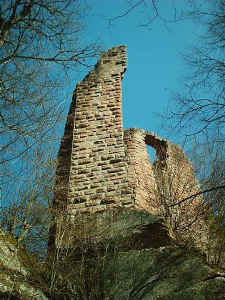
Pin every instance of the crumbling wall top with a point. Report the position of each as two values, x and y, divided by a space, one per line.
113 61
163 147
149 137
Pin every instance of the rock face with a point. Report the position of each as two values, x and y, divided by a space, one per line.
101 166
131 257
166 273
20 276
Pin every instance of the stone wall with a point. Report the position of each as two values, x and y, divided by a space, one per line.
176 181
100 166
140 170
159 185
98 172
92 168
166 181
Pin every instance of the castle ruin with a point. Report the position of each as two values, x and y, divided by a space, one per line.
101 166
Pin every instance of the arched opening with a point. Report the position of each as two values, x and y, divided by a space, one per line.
158 146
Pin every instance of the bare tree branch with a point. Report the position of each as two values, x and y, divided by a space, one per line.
197 194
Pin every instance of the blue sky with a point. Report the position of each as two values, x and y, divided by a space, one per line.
155 64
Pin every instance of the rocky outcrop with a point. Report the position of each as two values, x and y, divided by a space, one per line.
20 276
128 255
166 273
124 254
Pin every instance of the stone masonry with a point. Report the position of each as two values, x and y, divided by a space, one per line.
168 180
100 165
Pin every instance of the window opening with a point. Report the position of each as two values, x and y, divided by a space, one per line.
151 153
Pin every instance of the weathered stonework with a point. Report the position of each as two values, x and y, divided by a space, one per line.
92 167
100 166
168 180
140 170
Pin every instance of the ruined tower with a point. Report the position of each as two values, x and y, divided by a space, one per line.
101 166
92 167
